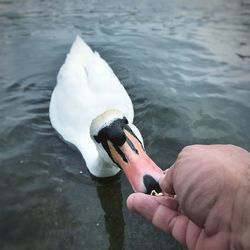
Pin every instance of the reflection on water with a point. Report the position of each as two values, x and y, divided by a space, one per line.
110 195
186 67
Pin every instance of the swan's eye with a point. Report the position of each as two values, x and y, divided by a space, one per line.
97 139
125 120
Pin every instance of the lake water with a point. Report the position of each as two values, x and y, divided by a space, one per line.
186 66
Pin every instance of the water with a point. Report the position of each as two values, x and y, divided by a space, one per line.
186 66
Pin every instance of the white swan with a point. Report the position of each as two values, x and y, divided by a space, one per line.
91 109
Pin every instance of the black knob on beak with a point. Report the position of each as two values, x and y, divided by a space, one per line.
151 184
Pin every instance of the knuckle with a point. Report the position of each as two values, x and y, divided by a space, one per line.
191 148
231 146
191 151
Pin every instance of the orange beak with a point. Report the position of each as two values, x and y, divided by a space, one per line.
142 173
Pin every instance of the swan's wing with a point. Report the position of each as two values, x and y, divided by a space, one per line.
101 79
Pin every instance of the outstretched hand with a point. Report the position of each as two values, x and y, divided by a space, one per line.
206 198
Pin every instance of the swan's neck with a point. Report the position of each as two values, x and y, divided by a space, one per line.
97 166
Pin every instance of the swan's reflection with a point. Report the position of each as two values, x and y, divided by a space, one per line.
110 195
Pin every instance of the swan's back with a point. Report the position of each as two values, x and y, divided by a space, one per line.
86 87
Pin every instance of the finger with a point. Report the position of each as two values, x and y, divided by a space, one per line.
166 181
145 204
161 211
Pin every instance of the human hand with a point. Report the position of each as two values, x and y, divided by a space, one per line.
211 206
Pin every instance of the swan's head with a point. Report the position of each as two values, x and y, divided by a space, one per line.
120 143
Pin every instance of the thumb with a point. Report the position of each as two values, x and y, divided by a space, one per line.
167 182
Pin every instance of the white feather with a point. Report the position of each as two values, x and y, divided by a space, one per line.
86 87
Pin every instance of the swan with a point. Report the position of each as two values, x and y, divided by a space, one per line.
91 109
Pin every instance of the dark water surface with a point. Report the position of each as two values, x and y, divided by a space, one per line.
186 66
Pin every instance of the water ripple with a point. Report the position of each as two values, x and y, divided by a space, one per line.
185 65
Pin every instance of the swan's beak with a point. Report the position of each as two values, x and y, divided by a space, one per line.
142 173
112 133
